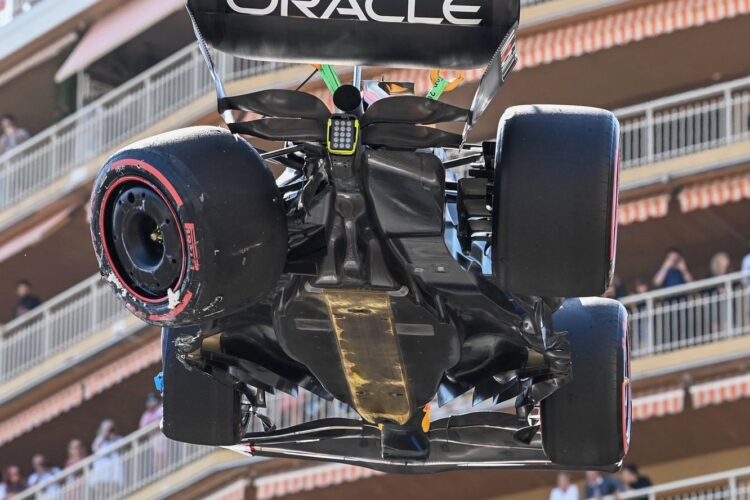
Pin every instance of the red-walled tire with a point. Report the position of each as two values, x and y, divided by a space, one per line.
188 226
586 423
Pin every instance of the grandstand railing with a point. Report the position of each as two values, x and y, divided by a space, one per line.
114 119
660 321
146 456
685 123
120 469
729 485
688 315
653 131
15 8
57 325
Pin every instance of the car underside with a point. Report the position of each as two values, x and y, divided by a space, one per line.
370 273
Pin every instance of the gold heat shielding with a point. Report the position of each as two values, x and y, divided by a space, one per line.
370 355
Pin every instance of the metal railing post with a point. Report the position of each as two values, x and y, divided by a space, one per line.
47 328
95 306
135 451
4 184
221 64
651 323
55 157
728 115
99 123
148 100
729 293
196 60
86 480
650 146
3 353
82 88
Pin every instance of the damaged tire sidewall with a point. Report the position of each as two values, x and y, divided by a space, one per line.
182 306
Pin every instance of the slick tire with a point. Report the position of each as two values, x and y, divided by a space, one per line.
188 226
555 201
586 423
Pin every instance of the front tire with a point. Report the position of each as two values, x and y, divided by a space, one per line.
198 409
586 423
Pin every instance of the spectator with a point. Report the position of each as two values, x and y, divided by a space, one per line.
153 411
107 473
746 269
616 290
75 487
673 272
106 435
26 300
598 486
565 489
719 264
13 135
42 470
13 482
676 317
633 480
76 453
157 458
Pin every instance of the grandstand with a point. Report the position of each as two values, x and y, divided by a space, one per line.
87 77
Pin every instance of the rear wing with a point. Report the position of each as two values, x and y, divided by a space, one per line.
450 34
446 34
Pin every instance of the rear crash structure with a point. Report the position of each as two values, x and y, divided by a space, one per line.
363 274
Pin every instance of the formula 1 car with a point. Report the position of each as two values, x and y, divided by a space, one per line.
364 274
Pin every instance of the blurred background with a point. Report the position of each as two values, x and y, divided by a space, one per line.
82 78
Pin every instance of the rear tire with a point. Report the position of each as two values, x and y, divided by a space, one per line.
586 423
188 226
555 201
198 409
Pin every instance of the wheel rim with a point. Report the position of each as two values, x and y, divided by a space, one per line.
142 239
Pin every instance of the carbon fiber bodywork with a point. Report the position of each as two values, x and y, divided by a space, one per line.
387 299
450 34
380 308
